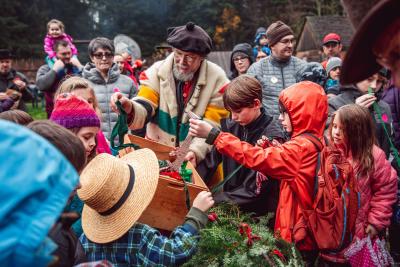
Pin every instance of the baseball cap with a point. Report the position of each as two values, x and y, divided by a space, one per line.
331 37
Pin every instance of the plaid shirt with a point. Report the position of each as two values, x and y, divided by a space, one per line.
145 246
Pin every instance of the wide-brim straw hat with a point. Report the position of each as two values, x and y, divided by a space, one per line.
360 61
104 181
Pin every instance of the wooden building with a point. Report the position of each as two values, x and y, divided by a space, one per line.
309 45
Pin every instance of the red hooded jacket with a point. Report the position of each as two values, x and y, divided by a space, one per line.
294 162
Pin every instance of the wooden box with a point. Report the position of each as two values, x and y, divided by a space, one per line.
168 209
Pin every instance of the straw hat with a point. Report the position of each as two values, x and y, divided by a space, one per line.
106 216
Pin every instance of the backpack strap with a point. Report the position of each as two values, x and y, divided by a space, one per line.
315 140
318 146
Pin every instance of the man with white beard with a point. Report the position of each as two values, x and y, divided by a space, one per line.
184 82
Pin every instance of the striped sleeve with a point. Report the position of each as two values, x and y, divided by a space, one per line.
147 98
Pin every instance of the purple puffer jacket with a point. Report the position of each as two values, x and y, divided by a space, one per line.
392 96
49 42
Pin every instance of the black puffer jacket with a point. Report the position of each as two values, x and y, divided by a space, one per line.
241 188
244 48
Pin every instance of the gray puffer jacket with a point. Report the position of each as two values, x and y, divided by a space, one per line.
275 76
104 89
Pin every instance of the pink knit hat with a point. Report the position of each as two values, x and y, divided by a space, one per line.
71 111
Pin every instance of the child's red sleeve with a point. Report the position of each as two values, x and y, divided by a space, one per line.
276 162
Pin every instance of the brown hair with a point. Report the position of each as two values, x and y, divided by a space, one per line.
17 116
359 134
58 22
74 83
241 92
63 139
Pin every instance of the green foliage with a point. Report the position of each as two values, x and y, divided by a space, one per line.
221 243
23 23
37 113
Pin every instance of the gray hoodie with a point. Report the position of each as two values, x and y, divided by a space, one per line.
104 90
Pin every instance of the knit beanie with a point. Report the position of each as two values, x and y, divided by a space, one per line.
190 38
333 62
276 31
71 111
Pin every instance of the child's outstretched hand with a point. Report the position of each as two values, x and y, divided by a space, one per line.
265 142
199 128
204 201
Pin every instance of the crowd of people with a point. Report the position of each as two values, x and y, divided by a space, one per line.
270 136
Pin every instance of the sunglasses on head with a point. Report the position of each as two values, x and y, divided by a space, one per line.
102 55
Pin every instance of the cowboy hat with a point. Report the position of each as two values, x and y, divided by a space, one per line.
360 61
115 193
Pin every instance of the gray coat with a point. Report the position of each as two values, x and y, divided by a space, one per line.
104 90
275 76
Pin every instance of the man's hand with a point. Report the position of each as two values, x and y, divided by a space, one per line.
58 65
365 100
191 156
127 104
76 63
3 96
204 201
199 128
172 155
371 231
20 84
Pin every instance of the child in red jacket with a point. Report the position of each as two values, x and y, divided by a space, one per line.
304 109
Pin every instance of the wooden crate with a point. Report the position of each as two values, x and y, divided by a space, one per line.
168 209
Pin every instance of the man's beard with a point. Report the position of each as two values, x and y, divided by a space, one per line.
184 77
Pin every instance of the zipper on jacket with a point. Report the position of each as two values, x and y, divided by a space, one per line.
283 80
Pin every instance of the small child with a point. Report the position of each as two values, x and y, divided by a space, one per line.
75 114
303 111
55 32
248 121
80 87
352 131
261 42
69 251
333 68
116 191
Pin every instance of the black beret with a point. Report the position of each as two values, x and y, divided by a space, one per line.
6 54
190 38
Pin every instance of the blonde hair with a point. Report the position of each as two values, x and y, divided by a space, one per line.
75 83
58 22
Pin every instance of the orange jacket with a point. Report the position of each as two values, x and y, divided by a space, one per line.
294 162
